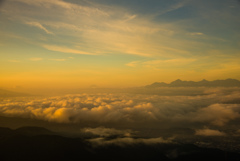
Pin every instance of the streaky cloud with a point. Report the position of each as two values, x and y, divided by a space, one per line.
65 50
40 26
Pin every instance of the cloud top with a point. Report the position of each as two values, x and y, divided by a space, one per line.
106 132
212 109
209 132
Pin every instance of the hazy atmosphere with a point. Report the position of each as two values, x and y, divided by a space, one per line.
119 80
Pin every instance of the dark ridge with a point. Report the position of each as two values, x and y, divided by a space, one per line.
33 131
15 146
26 131
4 131
202 83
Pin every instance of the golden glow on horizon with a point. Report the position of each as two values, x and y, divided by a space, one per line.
70 45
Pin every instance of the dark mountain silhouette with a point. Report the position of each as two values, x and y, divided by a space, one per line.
5 131
19 145
202 83
27 131
31 131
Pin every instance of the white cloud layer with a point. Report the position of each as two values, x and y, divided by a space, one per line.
129 141
106 132
216 109
209 132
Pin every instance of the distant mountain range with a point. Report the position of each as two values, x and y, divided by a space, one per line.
202 83
7 93
26 131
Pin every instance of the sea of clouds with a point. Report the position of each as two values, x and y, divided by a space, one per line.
216 108
203 116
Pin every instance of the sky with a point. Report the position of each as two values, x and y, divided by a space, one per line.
112 43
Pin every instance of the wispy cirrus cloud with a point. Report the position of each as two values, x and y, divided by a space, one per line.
180 30
64 5
105 30
65 50
162 63
113 29
40 26
174 7
196 34
132 64
59 59
170 61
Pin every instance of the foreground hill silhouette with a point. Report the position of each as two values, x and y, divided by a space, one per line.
202 83
34 143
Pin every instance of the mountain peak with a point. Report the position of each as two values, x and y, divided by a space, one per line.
30 130
204 80
203 83
178 80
